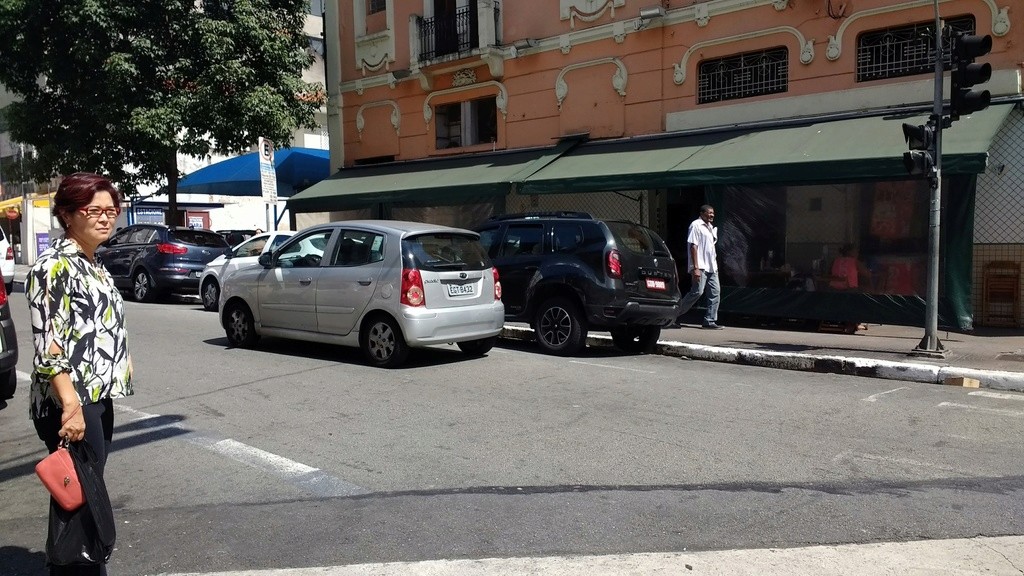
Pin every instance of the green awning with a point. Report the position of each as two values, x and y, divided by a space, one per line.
853 149
437 181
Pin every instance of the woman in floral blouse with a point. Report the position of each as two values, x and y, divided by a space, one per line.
81 355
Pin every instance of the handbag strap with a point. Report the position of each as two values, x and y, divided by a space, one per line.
65 419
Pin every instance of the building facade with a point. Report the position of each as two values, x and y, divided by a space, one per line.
784 115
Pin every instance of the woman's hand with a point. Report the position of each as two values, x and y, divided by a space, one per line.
73 428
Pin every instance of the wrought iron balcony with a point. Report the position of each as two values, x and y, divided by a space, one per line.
449 33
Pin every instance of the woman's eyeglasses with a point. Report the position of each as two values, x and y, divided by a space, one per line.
95 211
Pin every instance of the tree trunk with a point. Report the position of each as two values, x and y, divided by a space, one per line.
172 218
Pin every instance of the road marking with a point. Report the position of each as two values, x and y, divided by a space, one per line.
997 395
1001 412
310 479
874 397
993 555
613 367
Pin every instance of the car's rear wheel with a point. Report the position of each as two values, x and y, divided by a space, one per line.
211 294
636 339
142 286
477 347
9 286
560 327
240 326
383 344
8 384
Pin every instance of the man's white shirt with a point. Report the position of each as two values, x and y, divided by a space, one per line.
703 236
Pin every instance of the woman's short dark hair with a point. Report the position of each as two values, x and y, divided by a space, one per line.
77 190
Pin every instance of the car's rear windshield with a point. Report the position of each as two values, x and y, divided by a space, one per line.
445 251
637 238
199 238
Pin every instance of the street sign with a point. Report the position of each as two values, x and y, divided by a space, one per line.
268 176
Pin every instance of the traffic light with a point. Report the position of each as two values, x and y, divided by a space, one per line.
966 73
920 160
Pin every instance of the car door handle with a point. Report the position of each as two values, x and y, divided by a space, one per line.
306 281
365 282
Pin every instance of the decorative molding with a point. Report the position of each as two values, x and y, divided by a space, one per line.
619 32
464 77
619 78
585 10
396 115
1000 22
565 43
500 100
701 15
806 48
780 5
495 61
375 51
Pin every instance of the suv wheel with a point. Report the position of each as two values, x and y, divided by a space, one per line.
636 339
559 327
211 293
477 347
383 344
240 326
142 286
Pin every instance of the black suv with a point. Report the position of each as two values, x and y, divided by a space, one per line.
153 259
8 350
566 273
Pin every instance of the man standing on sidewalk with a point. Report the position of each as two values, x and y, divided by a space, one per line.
702 264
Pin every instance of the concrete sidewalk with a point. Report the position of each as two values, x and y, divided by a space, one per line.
995 357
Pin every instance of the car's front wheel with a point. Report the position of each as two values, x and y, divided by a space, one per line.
383 344
142 286
560 327
477 347
636 339
211 294
240 326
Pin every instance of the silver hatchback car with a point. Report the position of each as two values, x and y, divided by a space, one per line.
381 285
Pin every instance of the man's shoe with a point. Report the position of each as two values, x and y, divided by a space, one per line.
711 326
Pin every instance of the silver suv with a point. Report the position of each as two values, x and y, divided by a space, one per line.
381 285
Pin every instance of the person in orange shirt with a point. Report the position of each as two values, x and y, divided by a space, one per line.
846 272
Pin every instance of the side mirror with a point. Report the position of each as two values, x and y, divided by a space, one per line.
265 259
229 254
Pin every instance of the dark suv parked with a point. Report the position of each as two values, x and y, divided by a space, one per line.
154 259
8 350
566 273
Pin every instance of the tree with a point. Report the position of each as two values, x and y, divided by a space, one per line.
120 87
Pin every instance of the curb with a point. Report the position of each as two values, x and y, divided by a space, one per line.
850 366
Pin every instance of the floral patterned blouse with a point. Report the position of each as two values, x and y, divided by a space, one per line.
74 303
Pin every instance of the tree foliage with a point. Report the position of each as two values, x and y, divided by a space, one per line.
120 87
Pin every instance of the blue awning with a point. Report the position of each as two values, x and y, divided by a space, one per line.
297 169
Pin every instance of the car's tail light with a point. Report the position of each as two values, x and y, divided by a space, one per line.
412 288
614 264
3 292
167 248
10 253
497 284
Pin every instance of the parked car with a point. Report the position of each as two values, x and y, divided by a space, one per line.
8 349
566 273
245 254
384 286
7 260
235 237
150 260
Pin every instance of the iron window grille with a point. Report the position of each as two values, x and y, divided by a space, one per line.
743 76
904 50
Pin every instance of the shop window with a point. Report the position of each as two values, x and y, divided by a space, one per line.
466 123
743 76
375 6
904 50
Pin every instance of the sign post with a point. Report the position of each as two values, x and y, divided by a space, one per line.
268 179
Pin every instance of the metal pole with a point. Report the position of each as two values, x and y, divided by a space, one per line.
930 345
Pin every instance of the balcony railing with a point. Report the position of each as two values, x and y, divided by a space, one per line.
449 33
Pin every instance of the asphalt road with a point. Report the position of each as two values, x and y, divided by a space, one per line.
297 455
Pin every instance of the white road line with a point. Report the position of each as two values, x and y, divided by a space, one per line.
997 395
996 556
613 367
874 397
310 479
1001 412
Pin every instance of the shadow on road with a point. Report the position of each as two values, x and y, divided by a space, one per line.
21 562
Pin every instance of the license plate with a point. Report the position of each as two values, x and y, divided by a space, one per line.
460 289
656 284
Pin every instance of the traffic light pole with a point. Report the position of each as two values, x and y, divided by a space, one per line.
930 345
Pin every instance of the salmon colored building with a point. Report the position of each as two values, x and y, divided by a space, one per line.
786 115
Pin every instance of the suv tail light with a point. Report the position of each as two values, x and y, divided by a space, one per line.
3 292
613 264
10 253
412 288
497 284
166 248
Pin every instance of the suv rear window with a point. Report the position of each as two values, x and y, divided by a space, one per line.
198 238
636 238
446 251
